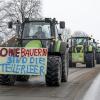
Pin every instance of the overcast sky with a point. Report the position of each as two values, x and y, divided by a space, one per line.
81 15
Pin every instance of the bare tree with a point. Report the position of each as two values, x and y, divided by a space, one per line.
14 10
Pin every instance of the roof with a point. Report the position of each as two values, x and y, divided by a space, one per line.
80 34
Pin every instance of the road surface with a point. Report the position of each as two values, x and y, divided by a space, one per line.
83 84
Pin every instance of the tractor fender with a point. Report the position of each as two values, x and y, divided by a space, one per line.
60 47
63 47
57 46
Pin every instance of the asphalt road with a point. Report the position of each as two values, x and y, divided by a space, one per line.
82 84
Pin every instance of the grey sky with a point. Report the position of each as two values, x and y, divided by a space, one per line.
79 14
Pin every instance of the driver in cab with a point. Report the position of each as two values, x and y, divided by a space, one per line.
40 34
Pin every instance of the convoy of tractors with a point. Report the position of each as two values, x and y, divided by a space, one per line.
61 53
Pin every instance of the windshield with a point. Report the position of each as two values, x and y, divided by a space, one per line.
79 41
37 30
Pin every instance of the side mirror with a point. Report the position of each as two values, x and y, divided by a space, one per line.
62 24
10 24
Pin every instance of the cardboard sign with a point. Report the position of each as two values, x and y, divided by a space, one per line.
23 61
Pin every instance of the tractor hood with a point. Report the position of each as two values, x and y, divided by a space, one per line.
34 44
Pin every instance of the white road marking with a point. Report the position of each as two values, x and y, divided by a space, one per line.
93 92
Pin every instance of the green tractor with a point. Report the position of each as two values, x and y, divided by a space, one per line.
81 50
42 33
96 47
98 53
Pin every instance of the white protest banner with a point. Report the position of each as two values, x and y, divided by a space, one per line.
23 61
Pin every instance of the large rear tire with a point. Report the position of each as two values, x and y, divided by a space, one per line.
89 60
65 66
54 66
98 58
94 61
7 79
22 78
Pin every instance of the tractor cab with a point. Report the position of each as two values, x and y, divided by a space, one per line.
76 41
40 31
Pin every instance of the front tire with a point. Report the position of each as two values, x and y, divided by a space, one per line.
54 66
71 64
89 60
98 58
65 67
22 78
7 79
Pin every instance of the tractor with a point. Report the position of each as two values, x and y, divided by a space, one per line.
96 46
81 50
41 33
98 53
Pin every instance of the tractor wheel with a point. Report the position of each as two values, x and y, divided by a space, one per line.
7 79
72 64
94 62
54 72
22 78
65 61
70 60
65 66
98 58
89 60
